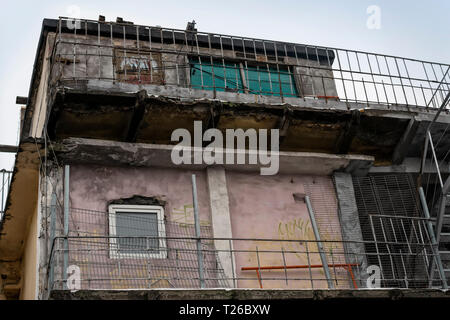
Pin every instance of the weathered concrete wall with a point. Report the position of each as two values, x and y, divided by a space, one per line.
351 227
242 294
264 207
39 116
103 59
91 187
91 190
28 291
234 204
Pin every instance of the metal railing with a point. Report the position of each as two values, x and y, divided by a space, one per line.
5 180
434 188
253 263
90 51
396 251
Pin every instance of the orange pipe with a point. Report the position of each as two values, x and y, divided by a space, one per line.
297 267
342 265
350 270
328 97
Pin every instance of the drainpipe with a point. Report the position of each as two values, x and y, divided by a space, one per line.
198 233
323 257
66 222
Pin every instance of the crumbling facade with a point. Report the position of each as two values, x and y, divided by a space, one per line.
96 201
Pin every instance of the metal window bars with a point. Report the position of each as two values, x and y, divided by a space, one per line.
144 56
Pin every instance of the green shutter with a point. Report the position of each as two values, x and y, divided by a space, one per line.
226 76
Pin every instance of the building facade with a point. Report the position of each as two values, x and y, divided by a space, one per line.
358 144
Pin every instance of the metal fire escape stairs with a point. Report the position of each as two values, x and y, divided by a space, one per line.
439 224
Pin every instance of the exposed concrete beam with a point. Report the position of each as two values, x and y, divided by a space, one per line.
8 148
20 207
188 94
105 152
21 100
215 111
251 294
138 116
411 165
284 124
402 147
346 137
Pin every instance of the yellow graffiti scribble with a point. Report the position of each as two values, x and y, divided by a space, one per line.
186 215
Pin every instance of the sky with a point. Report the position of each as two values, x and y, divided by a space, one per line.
413 29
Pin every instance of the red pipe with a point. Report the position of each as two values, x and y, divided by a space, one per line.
341 265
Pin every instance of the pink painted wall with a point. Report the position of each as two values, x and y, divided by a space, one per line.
260 207
264 207
91 187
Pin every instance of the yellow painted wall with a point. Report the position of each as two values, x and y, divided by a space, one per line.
29 262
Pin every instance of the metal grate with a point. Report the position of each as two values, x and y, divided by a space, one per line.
391 216
268 263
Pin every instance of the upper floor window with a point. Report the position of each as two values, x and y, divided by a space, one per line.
255 78
138 67
137 231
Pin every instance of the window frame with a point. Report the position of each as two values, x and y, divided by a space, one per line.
114 250
242 75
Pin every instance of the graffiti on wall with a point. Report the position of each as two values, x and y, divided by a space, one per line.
185 215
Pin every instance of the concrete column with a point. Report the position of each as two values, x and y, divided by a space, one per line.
350 225
220 217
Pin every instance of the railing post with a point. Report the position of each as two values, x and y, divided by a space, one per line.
232 263
52 239
66 222
434 243
323 257
198 233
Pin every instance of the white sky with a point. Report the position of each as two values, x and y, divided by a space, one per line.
414 29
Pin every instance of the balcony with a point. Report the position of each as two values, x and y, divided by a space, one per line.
90 258
90 54
133 83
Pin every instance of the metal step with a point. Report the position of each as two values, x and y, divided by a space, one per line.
445 255
445 237
446 221
447 273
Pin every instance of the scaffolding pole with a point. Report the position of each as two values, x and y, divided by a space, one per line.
323 257
198 233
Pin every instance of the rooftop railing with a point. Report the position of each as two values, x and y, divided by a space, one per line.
89 51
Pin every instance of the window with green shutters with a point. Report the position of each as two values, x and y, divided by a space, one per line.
222 75
229 76
271 81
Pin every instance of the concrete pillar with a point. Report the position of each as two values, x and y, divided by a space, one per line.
220 218
350 225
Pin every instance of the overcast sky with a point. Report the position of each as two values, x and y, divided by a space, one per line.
414 29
